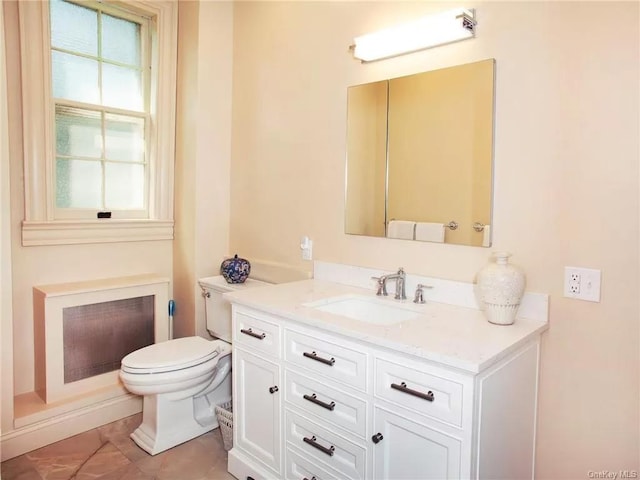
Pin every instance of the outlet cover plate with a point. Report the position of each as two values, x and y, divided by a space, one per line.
582 283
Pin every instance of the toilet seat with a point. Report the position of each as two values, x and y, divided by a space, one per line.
170 356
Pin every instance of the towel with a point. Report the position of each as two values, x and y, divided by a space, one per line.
486 236
430 232
403 229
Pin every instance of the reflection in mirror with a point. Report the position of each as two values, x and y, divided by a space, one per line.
419 156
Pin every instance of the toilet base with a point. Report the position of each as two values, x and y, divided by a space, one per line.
158 444
167 422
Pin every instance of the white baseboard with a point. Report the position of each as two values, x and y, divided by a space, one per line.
29 437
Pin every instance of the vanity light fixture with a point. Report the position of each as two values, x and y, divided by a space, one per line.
420 34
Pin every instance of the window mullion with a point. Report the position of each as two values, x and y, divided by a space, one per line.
102 116
103 158
100 56
151 187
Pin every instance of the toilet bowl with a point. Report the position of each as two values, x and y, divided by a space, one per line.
183 380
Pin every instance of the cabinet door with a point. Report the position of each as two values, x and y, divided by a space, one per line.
405 450
257 407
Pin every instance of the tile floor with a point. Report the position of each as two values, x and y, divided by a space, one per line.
107 453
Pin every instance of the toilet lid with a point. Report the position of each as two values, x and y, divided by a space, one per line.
171 355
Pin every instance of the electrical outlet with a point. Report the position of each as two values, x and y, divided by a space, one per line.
582 283
574 283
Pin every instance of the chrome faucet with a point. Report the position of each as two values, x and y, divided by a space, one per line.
381 285
419 296
399 277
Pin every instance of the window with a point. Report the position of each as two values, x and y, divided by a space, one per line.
99 116
99 85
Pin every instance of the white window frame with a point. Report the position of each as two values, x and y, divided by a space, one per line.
40 226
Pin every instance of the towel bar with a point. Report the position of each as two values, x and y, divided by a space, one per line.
453 225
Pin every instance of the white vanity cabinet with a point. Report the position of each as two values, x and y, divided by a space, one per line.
257 397
349 409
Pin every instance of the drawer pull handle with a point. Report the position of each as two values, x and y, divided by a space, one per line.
312 441
314 399
403 388
314 356
251 333
273 389
377 438
312 478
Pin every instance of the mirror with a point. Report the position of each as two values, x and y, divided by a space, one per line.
420 156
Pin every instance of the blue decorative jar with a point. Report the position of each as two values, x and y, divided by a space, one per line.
235 270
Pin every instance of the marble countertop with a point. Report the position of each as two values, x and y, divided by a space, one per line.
454 336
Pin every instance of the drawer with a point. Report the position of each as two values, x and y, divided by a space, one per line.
336 361
331 405
299 468
256 331
324 447
425 393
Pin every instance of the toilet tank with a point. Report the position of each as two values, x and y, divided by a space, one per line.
217 309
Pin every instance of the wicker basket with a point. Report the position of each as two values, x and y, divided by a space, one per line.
225 420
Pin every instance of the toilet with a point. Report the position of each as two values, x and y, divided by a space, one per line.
182 380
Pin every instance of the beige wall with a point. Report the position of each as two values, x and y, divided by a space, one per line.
566 181
53 264
202 156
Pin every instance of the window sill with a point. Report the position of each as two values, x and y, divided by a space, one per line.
94 231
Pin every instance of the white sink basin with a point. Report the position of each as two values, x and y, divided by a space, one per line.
367 309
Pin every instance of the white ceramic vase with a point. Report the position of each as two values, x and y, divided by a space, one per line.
500 289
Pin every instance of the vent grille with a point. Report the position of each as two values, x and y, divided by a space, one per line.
97 336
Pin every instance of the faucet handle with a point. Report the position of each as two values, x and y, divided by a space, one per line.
419 296
381 285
